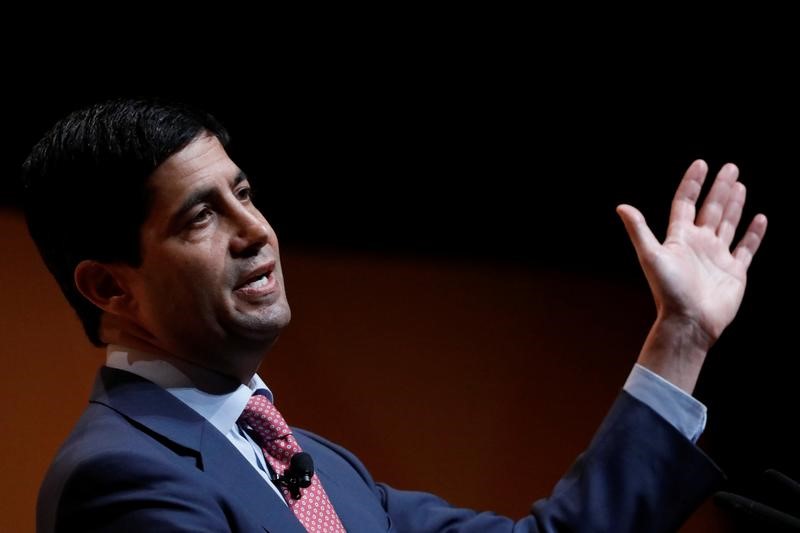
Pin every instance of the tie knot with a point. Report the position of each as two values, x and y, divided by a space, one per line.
262 418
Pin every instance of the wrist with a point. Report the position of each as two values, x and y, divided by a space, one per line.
683 329
676 349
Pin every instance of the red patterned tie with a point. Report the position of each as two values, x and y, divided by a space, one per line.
269 429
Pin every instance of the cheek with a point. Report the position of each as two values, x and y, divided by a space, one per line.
198 282
182 282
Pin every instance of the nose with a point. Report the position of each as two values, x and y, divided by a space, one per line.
252 232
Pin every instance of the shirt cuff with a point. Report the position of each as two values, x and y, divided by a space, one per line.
678 408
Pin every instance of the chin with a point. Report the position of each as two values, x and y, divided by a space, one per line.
263 328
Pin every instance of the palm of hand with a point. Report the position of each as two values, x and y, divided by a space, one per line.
693 275
698 278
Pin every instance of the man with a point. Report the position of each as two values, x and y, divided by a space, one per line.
150 230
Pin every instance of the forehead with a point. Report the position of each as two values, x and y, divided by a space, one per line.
200 163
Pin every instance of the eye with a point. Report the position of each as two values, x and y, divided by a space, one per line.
244 194
201 216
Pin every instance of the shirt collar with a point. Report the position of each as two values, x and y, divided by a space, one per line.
190 383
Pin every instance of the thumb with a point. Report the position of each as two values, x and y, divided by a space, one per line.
644 242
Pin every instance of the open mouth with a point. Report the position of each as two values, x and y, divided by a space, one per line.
258 282
255 282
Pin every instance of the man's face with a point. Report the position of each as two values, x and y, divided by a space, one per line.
210 283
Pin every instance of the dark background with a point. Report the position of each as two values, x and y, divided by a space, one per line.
500 152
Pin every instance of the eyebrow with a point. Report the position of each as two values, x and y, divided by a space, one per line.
203 195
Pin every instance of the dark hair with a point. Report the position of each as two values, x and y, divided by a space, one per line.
84 185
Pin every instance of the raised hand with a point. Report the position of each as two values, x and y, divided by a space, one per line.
696 280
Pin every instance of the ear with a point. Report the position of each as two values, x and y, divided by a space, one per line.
103 285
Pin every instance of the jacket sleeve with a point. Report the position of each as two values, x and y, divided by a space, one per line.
639 474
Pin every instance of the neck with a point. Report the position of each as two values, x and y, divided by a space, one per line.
237 363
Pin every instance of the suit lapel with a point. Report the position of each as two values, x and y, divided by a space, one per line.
350 511
355 508
239 478
156 410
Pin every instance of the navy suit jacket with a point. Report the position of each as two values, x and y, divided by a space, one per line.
141 460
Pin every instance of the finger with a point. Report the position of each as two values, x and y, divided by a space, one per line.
749 244
714 204
644 242
732 214
687 193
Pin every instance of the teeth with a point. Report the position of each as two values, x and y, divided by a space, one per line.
260 282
